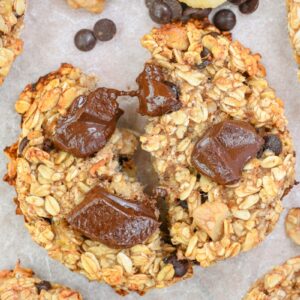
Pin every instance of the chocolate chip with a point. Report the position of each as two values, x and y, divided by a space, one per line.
249 7
222 152
237 2
273 143
24 142
195 13
160 12
175 8
43 285
85 40
180 266
224 20
48 145
114 221
105 30
183 204
204 197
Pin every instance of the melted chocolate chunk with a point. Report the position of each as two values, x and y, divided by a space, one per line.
89 123
48 145
113 221
43 285
224 150
156 96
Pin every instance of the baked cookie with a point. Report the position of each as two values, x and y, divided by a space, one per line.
82 204
293 7
22 284
11 21
283 282
225 158
292 225
94 6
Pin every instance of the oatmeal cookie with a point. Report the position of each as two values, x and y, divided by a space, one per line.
283 282
292 225
11 21
53 186
221 85
94 6
22 284
293 7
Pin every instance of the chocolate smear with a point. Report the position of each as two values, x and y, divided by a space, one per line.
113 221
222 152
156 96
89 123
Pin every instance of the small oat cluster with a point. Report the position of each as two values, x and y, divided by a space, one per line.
11 21
22 284
94 6
293 7
283 282
50 183
210 222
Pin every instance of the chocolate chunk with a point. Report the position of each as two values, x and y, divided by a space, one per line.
175 8
89 123
224 20
85 40
237 2
48 145
183 204
249 7
156 96
105 30
225 148
273 143
195 13
113 221
180 266
204 197
43 285
160 12
24 142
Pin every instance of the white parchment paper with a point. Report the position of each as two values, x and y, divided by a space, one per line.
48 35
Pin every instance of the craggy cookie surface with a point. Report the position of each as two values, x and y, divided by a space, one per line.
218 79
22 284
11 21
51 184
95 6
283 282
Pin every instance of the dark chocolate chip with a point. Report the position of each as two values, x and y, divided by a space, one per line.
23 145
237 2
204 197
183 204
43 285
175 8
224 20
195 13
85 40
48 145
160 12
249 7
105 30
180 266
273 143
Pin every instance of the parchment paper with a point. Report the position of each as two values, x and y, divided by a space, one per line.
48 35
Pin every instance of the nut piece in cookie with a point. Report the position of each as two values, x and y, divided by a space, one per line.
11 16
225 183
68 165
21 283
283 282
94 6
292 225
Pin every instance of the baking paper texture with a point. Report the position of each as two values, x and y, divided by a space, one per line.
49 30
